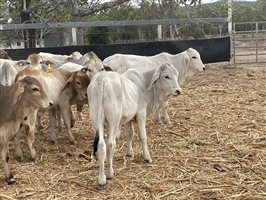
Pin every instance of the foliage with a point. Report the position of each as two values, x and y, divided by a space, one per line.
98 35
97 10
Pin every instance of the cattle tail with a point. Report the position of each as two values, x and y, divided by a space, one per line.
100 116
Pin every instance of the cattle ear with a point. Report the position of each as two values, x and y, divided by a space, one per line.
70 80
18 93
107 68
186 59
92 55
155 76
47 62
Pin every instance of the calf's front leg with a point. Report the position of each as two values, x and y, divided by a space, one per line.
165 113
4 156
52 124
67 117
30 131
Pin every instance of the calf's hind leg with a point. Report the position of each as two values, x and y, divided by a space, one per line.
129 129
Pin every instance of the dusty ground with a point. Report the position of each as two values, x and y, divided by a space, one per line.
214 149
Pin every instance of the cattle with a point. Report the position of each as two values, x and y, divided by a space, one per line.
16 103
53 87
8 71
117 99
72 67
82 60
92 63
73 93
74 90
35 61
4 55
10 68
58 59
187 63
52 83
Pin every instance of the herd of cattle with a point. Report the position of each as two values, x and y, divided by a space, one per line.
119 90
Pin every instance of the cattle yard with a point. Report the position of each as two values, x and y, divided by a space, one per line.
214 149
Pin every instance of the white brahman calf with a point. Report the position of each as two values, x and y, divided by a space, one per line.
187 63
117 99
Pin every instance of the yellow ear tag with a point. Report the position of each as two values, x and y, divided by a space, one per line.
49 68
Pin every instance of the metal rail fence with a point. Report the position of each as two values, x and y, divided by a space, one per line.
66 33
249 42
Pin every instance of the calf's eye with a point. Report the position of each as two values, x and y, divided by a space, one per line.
35 89
78 82
194 57
167 77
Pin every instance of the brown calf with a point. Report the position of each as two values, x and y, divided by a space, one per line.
73 93
16 103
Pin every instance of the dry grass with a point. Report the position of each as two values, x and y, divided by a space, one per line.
214 149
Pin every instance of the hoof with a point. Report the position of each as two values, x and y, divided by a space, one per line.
11 181
130 155
74 142
40 127
53 142
20 158
109 177
168 123
100 187
72 124
147 160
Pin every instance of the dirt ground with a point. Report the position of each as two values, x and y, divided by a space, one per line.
214 149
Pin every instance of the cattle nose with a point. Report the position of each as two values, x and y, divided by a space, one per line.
177 92
203 68
86 95
51 104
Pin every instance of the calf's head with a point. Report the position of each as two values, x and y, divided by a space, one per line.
4 55
79 82
94 64
194 61
31 94
166 79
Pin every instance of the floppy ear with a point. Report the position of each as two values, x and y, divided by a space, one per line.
155 76
18 93
70 80
92 55
107 68
186 59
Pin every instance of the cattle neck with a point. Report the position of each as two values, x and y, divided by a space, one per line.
181 67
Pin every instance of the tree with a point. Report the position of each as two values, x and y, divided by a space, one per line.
69 10
81 9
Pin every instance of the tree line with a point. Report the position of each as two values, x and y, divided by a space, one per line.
36 11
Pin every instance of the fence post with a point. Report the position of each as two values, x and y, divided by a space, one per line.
74 36
159 30
257 32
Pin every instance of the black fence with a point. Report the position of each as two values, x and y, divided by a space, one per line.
211 50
